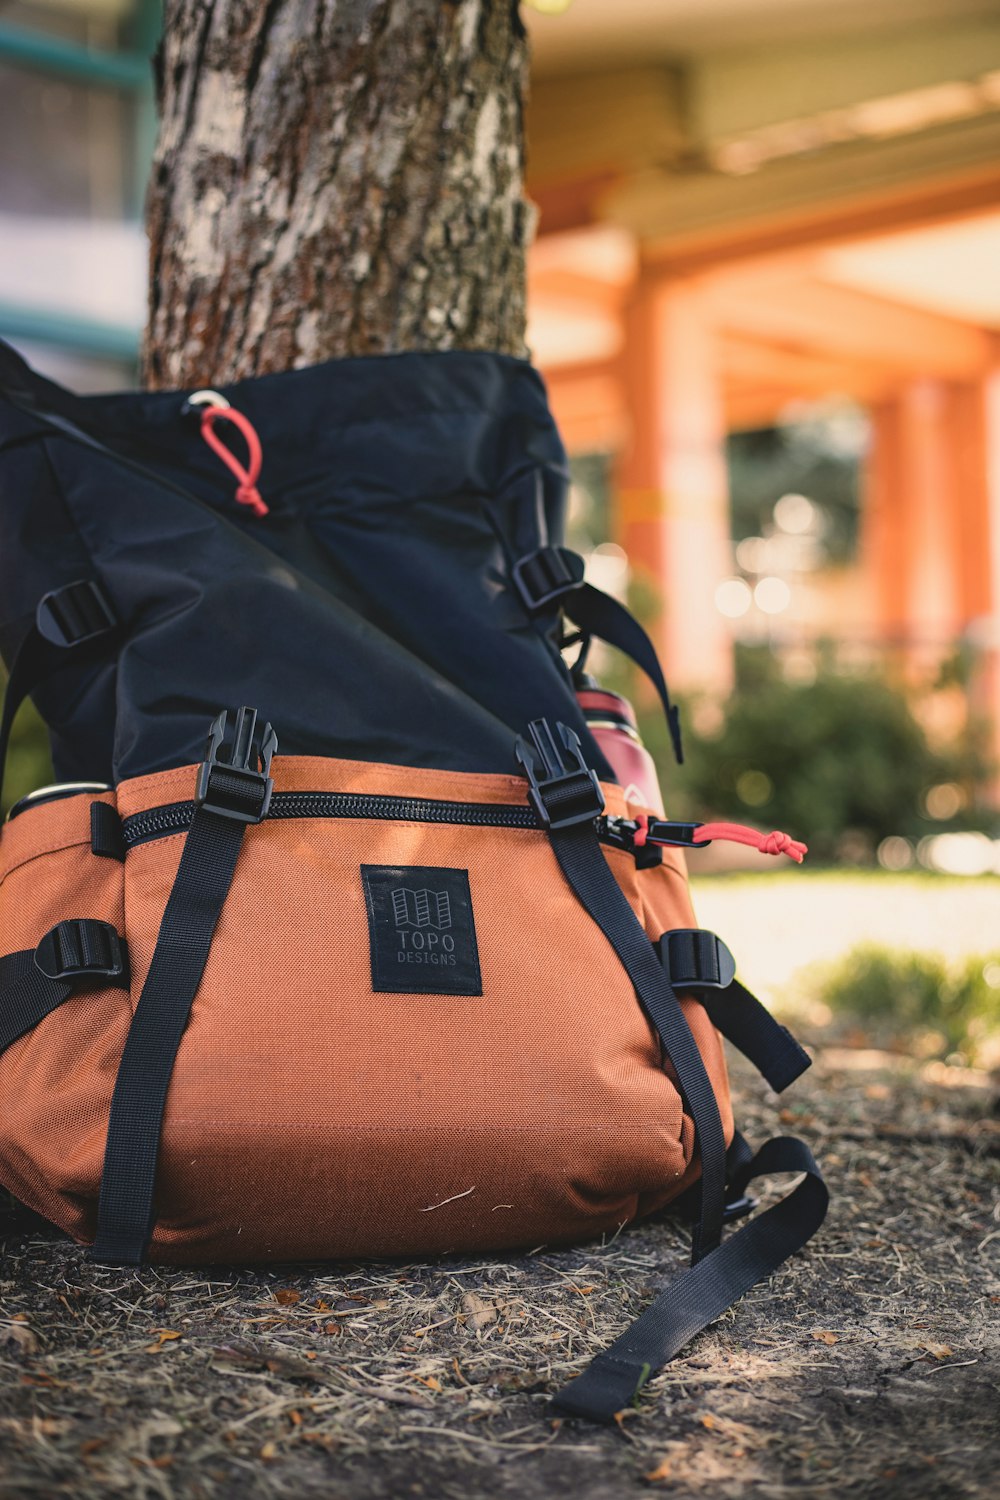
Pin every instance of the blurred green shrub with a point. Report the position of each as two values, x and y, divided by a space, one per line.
841 762
918 997
29 764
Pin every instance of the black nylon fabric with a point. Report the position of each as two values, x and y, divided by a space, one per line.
370 615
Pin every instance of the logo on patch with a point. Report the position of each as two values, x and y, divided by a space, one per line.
421 908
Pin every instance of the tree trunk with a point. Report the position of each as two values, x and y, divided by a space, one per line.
335 177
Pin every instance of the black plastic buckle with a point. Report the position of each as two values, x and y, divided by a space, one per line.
568 793
82 948
661 831
235 781
738 1208
77 613
544 576
696 959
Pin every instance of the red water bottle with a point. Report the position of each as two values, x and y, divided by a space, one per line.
612 722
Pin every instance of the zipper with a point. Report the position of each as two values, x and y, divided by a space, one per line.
159 822
175 817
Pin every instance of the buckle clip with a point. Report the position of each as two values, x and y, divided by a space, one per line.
82 948
235 780
696 959
546 575
738 1208
682 835
74 614
569 792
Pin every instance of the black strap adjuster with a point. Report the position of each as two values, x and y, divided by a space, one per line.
545 576
77 613
696 959
235 781
82 949
569 792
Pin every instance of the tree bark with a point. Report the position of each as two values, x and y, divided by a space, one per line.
335 177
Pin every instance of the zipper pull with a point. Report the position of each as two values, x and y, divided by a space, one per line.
699 835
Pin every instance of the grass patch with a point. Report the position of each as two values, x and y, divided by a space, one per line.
920 1000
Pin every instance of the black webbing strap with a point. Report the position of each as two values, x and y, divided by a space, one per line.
554 575
752 1029
232 796
26 996
208 862
72 624
698 961
701 1293
601 615
77 953
583 863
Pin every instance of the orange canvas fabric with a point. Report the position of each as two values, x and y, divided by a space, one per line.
309 1116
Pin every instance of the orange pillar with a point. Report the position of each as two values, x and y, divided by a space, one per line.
988 631
910 538
672 490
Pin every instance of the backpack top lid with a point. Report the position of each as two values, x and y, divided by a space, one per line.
369 615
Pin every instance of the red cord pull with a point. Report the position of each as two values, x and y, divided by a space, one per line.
696 835
767 843
247 492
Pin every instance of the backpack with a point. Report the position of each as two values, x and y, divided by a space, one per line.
410 972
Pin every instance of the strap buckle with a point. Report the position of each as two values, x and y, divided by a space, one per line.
82 948
77 613
544 576
569 792
235 780
696 959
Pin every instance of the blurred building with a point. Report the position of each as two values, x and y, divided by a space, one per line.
749 211
749 208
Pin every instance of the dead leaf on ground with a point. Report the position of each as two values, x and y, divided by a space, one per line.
163 1336
660 1473
287 1296
478 1313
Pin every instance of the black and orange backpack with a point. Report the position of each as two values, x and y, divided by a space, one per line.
411 971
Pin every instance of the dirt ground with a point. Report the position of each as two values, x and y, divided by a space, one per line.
869 1365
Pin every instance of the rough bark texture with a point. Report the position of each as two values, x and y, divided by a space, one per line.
335 177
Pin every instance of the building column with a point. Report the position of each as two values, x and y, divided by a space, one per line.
909 536
987 632
672 489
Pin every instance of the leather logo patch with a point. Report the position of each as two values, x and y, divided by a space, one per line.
421 930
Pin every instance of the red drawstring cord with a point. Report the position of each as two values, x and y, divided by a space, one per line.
733 833
247 492
767 843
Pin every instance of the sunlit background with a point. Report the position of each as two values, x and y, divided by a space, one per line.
765 295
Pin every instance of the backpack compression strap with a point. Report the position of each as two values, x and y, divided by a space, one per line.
567 799
72 956
554 575
72 624
231 794
702 1293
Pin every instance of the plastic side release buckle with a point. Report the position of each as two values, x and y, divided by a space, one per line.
82 948
235 781
569 792
77 613
544 576
696 959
